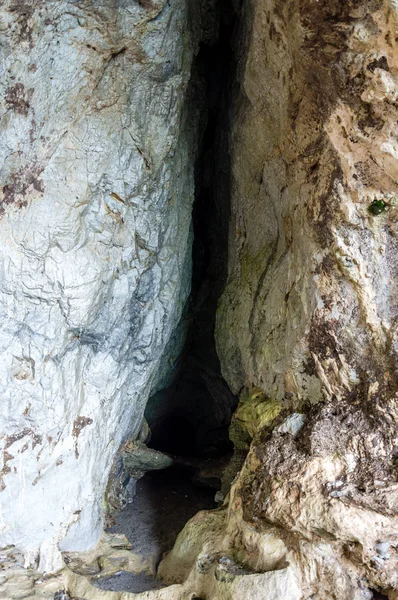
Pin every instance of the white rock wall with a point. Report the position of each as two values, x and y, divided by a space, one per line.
96 188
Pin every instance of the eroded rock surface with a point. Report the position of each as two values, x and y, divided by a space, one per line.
308 318
95 233
96 158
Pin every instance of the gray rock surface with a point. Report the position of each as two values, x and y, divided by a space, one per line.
138 459
96 186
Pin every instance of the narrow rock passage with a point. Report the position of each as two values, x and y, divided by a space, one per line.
164 501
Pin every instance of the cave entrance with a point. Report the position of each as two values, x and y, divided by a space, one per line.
188 421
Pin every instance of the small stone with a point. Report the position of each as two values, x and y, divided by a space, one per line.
292 424
382 549
219 497
334 484
137 456
337 494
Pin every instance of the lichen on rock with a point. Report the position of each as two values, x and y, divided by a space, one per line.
254 412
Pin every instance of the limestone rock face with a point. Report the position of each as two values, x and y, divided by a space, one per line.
309 314
96 161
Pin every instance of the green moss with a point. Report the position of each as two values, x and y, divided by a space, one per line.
255 412
377 207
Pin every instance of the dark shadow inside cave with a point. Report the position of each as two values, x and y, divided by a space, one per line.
378 595
174 435
199 394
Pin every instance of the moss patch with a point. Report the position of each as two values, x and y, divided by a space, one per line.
255 412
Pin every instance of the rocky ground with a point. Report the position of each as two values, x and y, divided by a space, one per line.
164 502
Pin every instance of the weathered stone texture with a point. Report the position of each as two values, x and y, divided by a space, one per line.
309 314
96 160
309 310
96 200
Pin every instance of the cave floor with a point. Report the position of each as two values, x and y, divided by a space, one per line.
164 502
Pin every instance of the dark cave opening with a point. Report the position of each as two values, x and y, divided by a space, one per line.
199 395
378 595
174 435
189 420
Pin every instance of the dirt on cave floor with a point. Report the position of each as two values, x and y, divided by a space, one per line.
164 502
